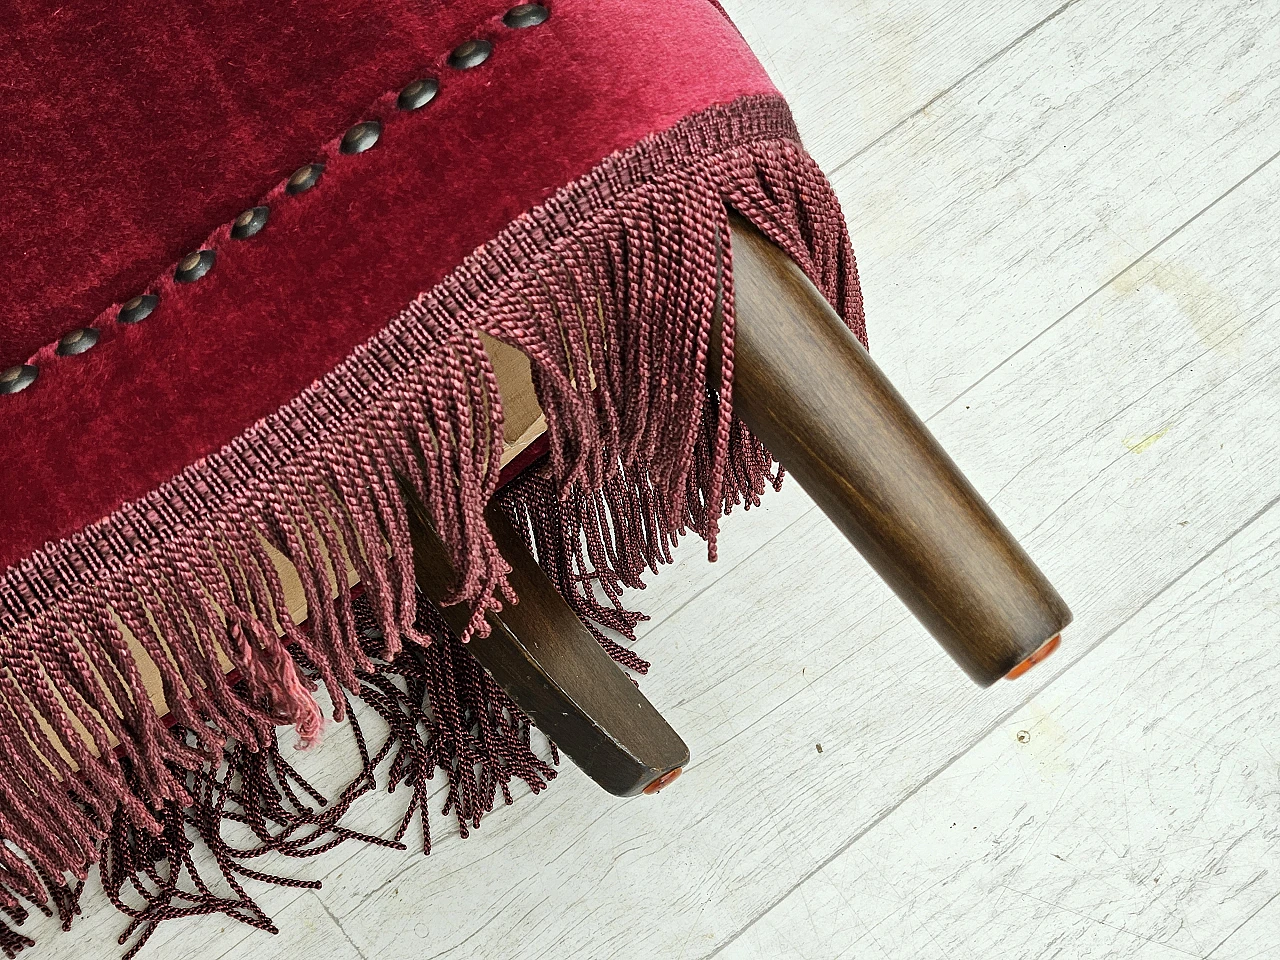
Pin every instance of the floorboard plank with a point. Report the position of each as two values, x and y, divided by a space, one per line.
1258 938
1023 191
855 71
1129 807
310 933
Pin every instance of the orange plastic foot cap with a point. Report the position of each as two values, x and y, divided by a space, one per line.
664 780
1039 656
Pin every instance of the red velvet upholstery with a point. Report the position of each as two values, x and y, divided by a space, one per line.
183 115
570 196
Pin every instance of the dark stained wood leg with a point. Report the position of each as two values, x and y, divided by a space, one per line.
557 673
809 390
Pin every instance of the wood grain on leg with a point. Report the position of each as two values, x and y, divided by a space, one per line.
556 672
811 392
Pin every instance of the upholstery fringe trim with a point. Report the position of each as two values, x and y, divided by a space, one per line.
612 288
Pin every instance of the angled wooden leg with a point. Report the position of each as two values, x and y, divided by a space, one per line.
557 673
809 390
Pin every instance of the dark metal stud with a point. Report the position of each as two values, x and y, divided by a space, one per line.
77 341
361 137
418 94
17 379
526 15
249 222
470 54
139 308
194 266
304 178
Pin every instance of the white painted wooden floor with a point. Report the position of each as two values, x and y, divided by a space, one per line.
1067 217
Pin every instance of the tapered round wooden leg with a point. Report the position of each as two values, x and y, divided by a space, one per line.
809 390
555 671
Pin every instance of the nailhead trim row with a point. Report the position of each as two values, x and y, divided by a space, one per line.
357 139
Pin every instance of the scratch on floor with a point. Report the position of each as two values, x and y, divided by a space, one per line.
1138 445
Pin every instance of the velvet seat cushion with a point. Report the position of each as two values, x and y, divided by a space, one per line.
186 114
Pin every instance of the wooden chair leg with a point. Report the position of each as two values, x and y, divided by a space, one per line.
556 672
809 390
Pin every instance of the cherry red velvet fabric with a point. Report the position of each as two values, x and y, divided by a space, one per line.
136 128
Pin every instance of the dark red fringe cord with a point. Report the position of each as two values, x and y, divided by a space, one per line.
612 289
